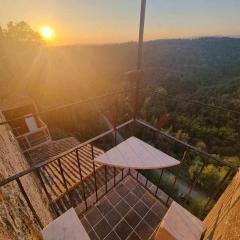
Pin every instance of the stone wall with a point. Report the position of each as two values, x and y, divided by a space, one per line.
16 220
223 221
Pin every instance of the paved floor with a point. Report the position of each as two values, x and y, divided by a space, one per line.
128 211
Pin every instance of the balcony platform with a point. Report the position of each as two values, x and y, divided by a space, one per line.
136 154
127 211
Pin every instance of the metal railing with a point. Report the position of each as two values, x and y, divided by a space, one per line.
31 140
39 168
207 158
62 165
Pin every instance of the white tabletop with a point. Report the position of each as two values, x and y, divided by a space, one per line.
65 227
180 224
134 153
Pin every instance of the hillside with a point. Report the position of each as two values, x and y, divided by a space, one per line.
204 69
180 66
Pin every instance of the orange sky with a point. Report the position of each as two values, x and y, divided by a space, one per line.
104 21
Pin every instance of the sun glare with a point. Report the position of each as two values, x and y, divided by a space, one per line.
47 32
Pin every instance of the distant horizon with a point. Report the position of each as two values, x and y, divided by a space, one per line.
145 41
107 21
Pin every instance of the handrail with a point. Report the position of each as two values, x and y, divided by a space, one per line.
30 133
42 123
93 99
221 162
188 100
39 165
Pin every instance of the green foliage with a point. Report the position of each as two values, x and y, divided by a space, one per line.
166 183
180 135
196 207
153 105
210 176
234 160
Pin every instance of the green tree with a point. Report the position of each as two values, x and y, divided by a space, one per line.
21 32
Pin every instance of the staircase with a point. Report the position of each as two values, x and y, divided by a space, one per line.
64 196
74 195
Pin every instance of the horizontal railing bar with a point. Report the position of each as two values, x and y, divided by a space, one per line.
39 165
93 99
223 109
41 129
221 162
202 104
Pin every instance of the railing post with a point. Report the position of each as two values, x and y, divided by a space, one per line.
159 181
173 186
194 182
62 174
38 173
106 178
64 180
175 179
81 178
114 123
43 185
28 142
146 182
184 156
214 194
29 203
114 176
94 173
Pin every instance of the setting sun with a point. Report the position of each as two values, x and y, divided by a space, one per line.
47 32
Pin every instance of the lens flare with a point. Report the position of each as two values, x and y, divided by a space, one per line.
47 32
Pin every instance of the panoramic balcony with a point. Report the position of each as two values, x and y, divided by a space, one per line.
128 182
135 179
117 202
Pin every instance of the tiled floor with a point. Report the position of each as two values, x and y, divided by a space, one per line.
128 211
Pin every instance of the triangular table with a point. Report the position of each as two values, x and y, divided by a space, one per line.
136 154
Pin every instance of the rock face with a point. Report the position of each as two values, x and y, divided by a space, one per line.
223 221
16 219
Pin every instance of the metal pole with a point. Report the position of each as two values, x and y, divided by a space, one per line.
159 181
29 203
38 172
141 33
187 196
94 173
81 178
173 186
65 181
139 56
106 178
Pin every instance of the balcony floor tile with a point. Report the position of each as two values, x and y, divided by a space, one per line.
128 211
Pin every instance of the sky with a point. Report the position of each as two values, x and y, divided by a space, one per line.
107 21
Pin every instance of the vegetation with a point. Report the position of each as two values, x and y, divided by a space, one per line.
204 69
